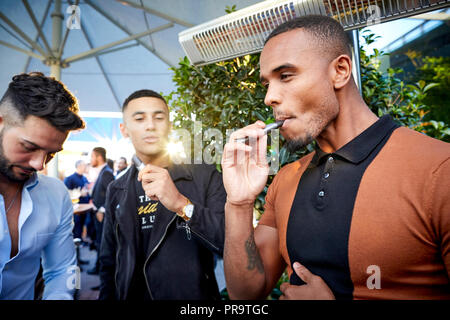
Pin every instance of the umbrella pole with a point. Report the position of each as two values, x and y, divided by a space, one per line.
55 67
354 35
57 20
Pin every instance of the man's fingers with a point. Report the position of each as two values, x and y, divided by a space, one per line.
259 124
152 176
284 286
148 169
253 134
261 151
142 172
302 272
235 153
252 131
151 191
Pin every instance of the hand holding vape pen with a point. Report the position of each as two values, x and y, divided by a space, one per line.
266 129
138 163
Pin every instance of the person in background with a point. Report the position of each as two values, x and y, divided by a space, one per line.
78 180
110 163
105 177
36 115
92 174
163 224
122 167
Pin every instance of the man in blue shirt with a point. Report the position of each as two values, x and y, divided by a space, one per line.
36 115
77 180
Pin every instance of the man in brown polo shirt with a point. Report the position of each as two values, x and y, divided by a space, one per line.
364 216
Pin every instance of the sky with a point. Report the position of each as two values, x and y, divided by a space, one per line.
391 31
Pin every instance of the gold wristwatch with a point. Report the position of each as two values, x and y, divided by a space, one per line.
187 211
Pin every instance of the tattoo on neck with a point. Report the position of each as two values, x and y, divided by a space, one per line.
254 260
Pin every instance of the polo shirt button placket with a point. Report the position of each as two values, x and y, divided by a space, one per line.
328 167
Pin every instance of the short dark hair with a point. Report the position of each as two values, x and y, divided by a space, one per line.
44 97
100 151
328 32
124 159
141 94
110 163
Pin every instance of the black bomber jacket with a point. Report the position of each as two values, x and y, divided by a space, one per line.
180 259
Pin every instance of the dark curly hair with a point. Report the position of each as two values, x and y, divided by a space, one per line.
44 97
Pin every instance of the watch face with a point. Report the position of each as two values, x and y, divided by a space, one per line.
189 210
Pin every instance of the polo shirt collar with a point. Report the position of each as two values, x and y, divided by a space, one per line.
32 181
361 146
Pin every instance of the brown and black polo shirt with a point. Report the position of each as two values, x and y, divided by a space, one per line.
372 219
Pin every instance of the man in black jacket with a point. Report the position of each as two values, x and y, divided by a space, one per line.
164 223
105 176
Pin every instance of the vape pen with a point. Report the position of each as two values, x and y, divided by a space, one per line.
266 129
138 163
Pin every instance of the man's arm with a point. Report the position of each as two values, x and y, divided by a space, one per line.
208 219
252 261
107 177
60 270
439 209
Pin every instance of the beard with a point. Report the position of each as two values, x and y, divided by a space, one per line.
6 167
317 124
295 145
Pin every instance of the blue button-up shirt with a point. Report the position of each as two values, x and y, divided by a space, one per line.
45 231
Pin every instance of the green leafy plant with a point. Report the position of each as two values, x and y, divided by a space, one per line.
386 93
436 70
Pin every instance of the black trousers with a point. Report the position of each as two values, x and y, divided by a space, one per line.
78 220
90 224
98 237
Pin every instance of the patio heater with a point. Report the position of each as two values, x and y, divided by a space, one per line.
244 31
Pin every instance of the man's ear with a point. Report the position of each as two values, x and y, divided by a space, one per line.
341 70
123 130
